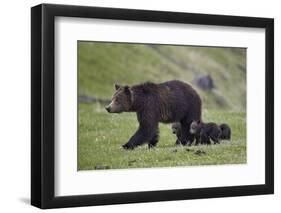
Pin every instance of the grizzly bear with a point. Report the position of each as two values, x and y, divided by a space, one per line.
226 132
203 132
168 102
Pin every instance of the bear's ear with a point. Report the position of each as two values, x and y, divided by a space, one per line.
117 86
127 90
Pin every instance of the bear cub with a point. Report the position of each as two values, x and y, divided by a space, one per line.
176 129
225 132
205 132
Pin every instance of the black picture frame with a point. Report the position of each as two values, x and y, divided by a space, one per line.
43 105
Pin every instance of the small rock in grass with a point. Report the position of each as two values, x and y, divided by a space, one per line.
205 82
200 152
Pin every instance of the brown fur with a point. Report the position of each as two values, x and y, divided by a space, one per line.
172 101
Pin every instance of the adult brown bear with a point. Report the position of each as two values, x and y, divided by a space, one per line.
168 102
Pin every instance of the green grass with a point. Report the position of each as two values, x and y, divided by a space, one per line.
101 136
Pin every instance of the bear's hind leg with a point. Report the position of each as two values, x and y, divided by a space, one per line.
186 137
197 140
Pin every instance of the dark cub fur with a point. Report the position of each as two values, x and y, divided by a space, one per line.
225 132
176 129
205 132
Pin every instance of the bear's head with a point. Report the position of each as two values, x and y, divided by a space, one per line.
176 128
121 100
195 126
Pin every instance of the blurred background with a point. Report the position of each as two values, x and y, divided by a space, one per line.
218 74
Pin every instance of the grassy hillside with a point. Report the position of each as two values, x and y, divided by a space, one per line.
103 64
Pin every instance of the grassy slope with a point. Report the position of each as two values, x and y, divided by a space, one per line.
100 142
103 64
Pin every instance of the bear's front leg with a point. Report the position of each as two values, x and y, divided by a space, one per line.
143 134
152 143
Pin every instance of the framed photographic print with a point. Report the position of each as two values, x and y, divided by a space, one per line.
139 106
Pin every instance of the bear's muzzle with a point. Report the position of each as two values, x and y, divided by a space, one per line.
108 108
